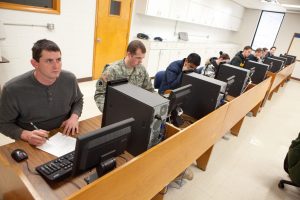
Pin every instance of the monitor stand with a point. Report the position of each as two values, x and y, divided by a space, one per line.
175 117
103 168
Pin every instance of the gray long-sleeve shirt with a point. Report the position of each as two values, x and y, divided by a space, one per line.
24 100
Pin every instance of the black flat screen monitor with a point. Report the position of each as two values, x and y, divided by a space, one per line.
289 59
242 76
281 58
178 96
275 64
260 71
294 57
177 99
100 147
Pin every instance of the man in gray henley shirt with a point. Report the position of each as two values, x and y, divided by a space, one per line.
42 99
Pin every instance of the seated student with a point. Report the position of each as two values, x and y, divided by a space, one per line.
264 53
129 67
213 64
271 53
257 56
240 58
173 74
46 97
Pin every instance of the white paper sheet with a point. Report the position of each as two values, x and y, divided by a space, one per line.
59 145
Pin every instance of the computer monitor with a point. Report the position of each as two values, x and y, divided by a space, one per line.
281 58
229 82
294 57
177 99
206 94
242 76
275 64
260 71
289 59
99 148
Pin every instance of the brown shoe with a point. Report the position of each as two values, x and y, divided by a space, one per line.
188 174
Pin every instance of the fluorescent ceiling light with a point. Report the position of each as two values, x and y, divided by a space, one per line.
290 6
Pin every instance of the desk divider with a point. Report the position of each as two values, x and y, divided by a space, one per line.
240 106
279 79
148 173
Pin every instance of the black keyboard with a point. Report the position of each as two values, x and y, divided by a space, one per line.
57 169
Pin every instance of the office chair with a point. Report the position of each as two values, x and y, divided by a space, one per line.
158 79
282 181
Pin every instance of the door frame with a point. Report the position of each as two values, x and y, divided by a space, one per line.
298 59
95 33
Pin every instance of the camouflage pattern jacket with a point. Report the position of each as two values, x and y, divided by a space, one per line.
137 76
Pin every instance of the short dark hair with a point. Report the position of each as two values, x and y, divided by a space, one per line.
258 50
265 49
247 48
273 47
41 45
134 45
224 56
194 59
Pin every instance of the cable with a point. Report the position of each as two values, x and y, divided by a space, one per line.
30 170
123 158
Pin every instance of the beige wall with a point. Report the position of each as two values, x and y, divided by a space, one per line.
290 25
247 29
74 34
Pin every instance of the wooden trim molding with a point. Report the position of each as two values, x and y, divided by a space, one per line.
13 6
294 78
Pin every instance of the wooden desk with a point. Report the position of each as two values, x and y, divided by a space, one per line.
241 105
34 186
143 176
279 78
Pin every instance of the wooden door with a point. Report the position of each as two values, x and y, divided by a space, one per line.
111 32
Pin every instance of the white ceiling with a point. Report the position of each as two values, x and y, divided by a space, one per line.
258 4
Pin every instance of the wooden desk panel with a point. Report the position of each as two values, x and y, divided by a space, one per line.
145 175
279 78
240 106
35 184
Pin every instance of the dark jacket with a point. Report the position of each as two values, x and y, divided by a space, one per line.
238 60
269 55
173 76
253 58
294 161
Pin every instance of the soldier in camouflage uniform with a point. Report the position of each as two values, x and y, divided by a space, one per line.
130 67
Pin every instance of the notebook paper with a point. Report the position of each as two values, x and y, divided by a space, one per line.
59 145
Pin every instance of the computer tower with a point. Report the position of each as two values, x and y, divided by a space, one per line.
240 80
149 110
206 94
275 64
260 71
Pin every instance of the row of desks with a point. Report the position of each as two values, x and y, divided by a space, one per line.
145 175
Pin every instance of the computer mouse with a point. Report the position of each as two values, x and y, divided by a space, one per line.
19 155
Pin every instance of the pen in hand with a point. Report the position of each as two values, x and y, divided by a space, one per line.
36 128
